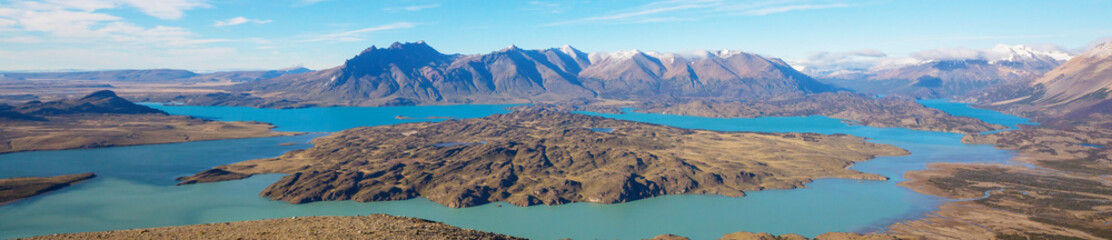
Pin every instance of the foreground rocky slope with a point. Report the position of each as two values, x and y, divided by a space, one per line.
545 157
359 227
12 189
376 226
103 119
1007 202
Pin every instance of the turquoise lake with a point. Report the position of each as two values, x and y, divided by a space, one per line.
135 187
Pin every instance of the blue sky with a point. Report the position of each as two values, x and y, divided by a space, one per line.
240 34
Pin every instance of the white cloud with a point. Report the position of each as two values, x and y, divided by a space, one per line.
640 14
849 60
413 8
309 2
163 9
78 21
21 39
355 35
948 54
167 9
237 21
548 7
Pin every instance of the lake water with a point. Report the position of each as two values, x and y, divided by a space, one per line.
136 188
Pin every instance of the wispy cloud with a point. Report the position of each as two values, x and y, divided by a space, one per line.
546 7
163 9
76 21
413 8
307 2
356 35
782 9
21 39
678 10
238 20
647 10
848 60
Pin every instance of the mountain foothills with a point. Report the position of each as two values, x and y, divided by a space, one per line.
949 77
415 73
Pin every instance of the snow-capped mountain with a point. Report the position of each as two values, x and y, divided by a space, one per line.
951 73
414 73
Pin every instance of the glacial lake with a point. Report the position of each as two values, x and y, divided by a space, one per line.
135 187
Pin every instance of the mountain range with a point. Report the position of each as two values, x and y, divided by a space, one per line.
152 75
950 77
1075 89
415 73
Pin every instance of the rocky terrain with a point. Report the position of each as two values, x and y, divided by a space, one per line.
1007 202
13 189
417 74
859 109
546 157
824 236
103 119
358 227
1067 194
376 226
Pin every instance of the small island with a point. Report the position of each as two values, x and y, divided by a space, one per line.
531 157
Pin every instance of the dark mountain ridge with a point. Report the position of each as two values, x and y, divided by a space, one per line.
99 102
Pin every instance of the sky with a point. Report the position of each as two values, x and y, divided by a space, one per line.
211 35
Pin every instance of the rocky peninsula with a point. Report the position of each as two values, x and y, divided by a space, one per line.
856 108
548 157
14 189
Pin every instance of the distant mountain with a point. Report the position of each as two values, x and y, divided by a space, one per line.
147 75
1078 87
98 102
415 73
946 78
247 76
152 75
